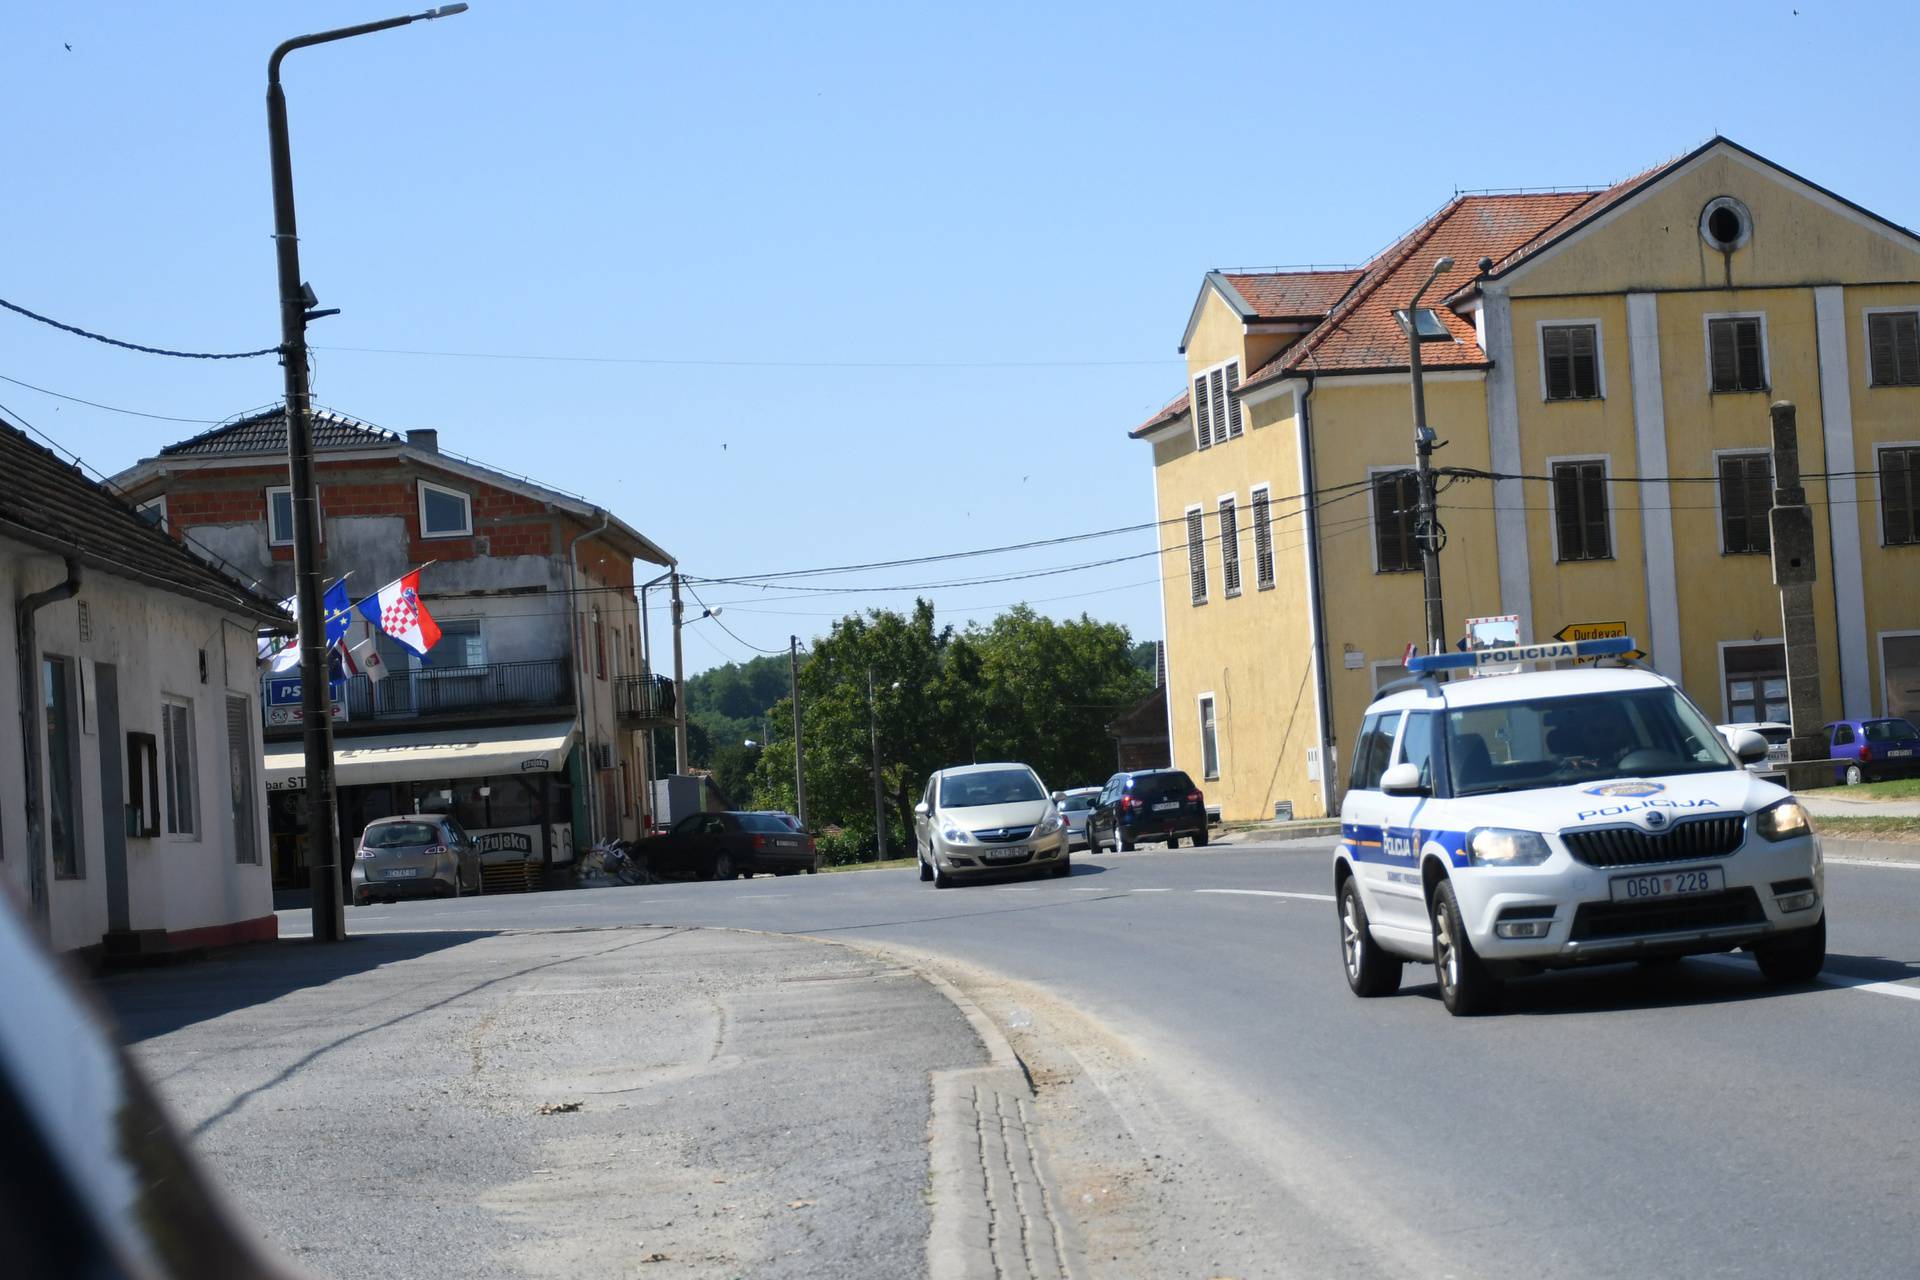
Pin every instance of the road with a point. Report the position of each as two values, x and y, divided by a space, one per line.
1616 1122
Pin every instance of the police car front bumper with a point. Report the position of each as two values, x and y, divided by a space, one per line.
1563 913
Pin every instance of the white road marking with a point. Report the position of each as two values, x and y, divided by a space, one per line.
1876 986
1149 891
1273 893
1873 862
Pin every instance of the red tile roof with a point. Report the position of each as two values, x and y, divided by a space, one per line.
1292 295
1171 410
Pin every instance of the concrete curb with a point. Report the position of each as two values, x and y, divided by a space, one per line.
1892 851
992 1216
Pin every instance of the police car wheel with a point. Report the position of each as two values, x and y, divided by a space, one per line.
1370 970
1797 959
1466 988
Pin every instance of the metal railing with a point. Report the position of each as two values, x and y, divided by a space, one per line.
442 691
642 698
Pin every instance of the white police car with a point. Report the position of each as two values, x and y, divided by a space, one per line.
1546 819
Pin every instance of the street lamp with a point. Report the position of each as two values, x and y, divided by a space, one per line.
297 306
1427 531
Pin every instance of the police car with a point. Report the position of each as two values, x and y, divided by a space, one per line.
1546 819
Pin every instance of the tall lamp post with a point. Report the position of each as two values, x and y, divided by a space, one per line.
1427 531
296 308
879 801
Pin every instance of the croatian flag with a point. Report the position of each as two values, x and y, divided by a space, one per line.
396 610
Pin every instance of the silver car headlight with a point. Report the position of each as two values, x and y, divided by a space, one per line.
1048 825
1783 821
1501 847
954 835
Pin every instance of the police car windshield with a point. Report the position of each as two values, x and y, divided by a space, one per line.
1557 742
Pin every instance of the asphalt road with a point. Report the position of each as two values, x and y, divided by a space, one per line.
1615 1122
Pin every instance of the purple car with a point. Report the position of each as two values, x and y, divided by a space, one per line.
1872 749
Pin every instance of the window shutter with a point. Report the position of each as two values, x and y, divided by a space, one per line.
1720 339
1559 365
1759 502
1233 399
1883 355
1229 547
1202 423
1900 521
1906 349
1751 377
1197 557
1262 538
1582 363
1566 510
1598 544
1217 392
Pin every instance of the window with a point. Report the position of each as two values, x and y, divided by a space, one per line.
462 644
176 732
1216 405
153 511
1427 323
1571 356
1900 495
1746 498
1893 348
1229 546
1580 510
1396 499
1209 739
241 783
1756 682
1197 555
1371 752
1416 744
1262 538
1843 735
63 784
280 516
1735 349
444 513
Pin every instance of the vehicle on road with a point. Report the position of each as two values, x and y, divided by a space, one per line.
1147 804
1870 750
728 846
793 823
1774 767
980 820
1511 824
416 855
1074 805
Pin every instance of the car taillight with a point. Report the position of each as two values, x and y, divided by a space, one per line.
759 842
1127 802
1193 797
435 849
1866 752
810 847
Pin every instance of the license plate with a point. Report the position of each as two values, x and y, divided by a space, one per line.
1668 884
1006 855
1902 752
1166 806
402 873
1776 754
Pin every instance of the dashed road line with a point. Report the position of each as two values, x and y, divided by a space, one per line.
1273 893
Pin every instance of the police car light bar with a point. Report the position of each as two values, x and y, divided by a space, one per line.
1514 654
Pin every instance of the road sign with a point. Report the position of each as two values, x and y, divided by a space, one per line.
1575 631
283 700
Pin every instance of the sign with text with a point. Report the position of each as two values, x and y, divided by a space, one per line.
1575 631
283 700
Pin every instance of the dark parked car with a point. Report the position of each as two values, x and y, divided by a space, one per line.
722 846
1149 804
1868 749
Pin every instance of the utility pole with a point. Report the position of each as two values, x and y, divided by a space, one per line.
1790 536
879 801
679 685
799 752
297 305
1427 532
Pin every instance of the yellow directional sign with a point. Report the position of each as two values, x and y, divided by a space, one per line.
1592 631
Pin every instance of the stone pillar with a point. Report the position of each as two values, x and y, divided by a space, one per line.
1790 525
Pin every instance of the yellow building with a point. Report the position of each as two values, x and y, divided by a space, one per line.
1610 355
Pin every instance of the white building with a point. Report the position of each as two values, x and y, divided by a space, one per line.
132 802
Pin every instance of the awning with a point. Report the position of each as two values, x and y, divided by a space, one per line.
430 755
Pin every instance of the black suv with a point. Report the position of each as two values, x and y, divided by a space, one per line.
1150 804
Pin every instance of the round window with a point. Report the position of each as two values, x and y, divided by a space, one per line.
1725 224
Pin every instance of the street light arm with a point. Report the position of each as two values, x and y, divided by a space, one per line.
343 33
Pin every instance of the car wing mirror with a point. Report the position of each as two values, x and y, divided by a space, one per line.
1749 747
1404 780
920 810
1059 797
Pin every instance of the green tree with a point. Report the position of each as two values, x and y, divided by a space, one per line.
1050 690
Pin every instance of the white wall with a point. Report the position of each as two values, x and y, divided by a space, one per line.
154 639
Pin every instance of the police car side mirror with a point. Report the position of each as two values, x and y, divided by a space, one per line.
1404 780
1749 747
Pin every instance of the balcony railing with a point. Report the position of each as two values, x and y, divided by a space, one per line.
642 700
457 691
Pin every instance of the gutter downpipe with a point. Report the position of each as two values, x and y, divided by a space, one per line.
1322 694
647 774
26 646
586 675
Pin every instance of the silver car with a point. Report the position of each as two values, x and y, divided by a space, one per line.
1778 736
988 819
418 855
1074 805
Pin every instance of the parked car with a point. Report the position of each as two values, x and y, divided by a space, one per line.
416 855
1871 749
1774 767
1074 805
723 846
793 823
988 819
1147 804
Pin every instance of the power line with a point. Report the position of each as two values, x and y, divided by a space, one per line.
110 408
712 363
135 346
723 626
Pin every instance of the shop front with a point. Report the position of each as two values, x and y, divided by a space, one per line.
508 785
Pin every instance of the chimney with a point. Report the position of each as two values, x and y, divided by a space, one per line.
427 438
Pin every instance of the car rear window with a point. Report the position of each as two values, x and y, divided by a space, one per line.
398 835
1778 737
764 822
1077 804
1888 730
1148 785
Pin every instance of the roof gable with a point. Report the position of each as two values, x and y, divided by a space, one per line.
1280 294
266 433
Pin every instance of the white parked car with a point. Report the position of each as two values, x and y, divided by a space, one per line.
1774 767
1074 805
1515 823
982 820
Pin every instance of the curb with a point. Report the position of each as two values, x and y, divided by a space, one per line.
1887 851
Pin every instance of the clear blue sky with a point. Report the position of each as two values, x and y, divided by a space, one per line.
810 188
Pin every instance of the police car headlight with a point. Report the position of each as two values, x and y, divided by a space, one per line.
1499 847
1783 821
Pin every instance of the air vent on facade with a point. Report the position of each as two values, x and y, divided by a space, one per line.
1725 224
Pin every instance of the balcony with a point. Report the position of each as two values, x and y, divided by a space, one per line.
643 701
450 693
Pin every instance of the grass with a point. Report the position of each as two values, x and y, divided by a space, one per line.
1894 830
1896 789
891 864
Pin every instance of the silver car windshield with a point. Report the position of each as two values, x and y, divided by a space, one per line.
994 786
399 835
1557 742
